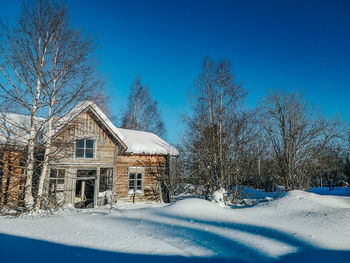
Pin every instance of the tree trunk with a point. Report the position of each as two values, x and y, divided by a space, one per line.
30 165
32 135
45 169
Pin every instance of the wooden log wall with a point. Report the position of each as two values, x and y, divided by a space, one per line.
11 178
154 170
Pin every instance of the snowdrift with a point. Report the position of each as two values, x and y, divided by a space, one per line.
297 226
301 200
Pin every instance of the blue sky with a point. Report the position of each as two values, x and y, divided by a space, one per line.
295 45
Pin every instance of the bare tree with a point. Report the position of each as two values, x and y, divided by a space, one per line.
24 49
49 68
178 180
71 77
215 127
333 164
142 112
297 135
346 157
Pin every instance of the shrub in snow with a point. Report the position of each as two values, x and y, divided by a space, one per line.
30 203
280 188
183 191
108 196
218 197
8 211
67 207
189 188
248 196
105 197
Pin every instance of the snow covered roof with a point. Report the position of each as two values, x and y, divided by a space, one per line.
107 121
141 142
136 142
14 128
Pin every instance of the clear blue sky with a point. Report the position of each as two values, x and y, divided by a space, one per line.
295 45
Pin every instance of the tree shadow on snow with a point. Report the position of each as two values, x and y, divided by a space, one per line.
21 249
194 238
305 251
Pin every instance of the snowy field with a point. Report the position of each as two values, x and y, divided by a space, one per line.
297 227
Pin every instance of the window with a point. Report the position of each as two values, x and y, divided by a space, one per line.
84 148
56 183
135 183
106 179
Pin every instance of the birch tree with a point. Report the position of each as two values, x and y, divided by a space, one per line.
24 50
71 77
50 69
214 127
142 112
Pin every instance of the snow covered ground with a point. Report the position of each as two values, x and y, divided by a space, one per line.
297 227
340 191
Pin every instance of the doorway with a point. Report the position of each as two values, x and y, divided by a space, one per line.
85 189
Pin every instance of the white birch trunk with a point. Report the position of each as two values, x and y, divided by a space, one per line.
45 169
30 165
28 196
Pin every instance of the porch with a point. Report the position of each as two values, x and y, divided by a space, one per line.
80 186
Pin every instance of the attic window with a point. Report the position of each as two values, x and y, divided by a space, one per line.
84 148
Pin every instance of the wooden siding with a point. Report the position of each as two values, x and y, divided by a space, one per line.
154 170
11 179
85 126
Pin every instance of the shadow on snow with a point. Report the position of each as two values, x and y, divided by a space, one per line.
305 253
21 249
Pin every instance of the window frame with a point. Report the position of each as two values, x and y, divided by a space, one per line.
57 181
85 148
136 172
106 179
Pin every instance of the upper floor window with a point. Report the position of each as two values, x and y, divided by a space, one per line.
84 148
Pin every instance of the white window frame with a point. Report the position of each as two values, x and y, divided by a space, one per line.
136 171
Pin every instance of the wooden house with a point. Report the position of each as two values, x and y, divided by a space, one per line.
13 138
93 158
